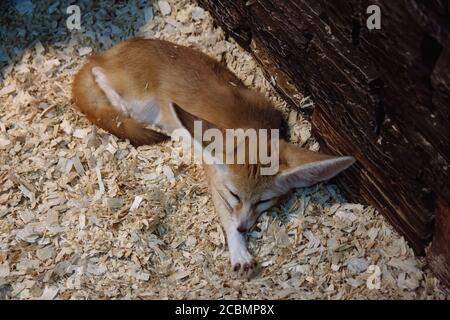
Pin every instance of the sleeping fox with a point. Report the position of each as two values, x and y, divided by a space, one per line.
145 90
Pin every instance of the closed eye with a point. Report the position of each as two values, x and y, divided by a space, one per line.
265 205
263 201
234 195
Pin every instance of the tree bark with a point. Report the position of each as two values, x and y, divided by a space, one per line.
382 96
439 254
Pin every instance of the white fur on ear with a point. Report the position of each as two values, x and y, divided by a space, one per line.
114 98
144 111
311 173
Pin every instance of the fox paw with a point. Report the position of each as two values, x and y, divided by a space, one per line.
243 264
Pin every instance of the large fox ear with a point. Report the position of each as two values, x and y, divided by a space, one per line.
304 168
186 121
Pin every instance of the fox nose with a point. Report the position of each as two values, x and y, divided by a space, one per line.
242 229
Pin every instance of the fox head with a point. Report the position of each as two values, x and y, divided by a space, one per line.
242 188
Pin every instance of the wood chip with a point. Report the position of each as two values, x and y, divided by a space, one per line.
136 202
7 90
49 293
164 7
84 51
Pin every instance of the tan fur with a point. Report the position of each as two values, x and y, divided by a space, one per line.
189 85
141 68
90 100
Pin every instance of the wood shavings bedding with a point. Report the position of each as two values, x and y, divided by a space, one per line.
85 215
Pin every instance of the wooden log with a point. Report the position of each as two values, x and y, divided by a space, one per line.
439 254
382 96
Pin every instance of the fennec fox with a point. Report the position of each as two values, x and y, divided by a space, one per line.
145 90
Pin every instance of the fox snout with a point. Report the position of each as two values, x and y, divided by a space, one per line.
242 228
245 219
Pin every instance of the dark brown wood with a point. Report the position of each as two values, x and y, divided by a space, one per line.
439 254
382 96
